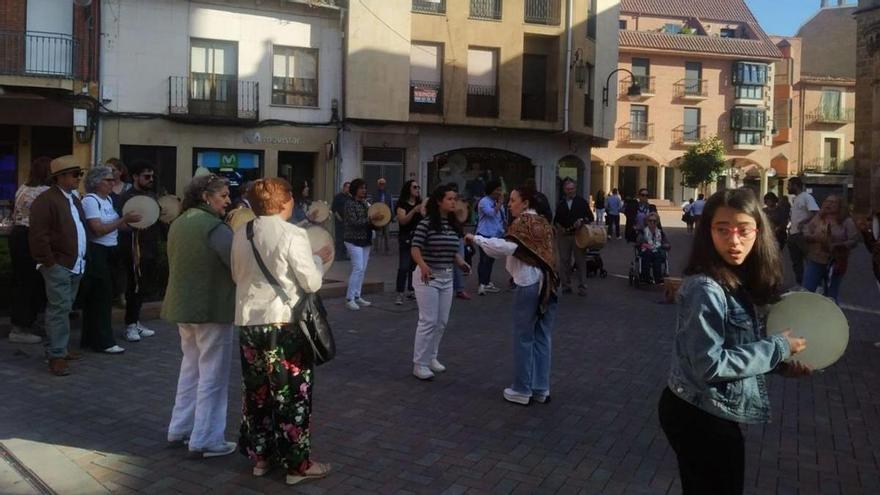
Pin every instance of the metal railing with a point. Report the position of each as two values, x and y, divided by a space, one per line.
318 3
688 134
825 115
482 101
429 6
485 9
828 165
425 97
542 12
646 84
691 88
636 132
36 53
539 106
213 96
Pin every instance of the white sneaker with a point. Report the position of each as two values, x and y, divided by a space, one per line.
481 290
542 397
491 288
19 336
225 448
399 300
114 350
511 395
144 331
422 372
436 367
352 305
132 334
361 301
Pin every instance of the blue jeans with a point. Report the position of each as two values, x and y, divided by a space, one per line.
531 341
816 273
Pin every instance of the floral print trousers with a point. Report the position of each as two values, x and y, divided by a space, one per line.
276 372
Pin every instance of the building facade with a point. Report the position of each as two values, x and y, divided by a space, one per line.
243 89
467 91
704 68
48 63
867 124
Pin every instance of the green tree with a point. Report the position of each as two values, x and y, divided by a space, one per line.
703 162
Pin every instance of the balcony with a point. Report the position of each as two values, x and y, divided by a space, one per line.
429 6
545 12
539 106
691 89
636 133
825 115
645 83
829 165
333 4
425 97
39 54
686 135
486 9
482 101
214 97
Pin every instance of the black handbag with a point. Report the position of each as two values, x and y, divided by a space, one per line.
308 313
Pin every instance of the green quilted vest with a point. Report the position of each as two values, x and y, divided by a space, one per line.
200 287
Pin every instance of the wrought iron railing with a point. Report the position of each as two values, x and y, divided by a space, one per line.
691 88
213 96
486 9
35 53
636 132
542 12
646 85
425 97
688 134
539 106
829 115
828 165
482 101
429 6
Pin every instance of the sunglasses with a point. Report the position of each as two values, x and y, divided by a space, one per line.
76 173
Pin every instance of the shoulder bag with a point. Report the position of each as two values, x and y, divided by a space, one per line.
309 314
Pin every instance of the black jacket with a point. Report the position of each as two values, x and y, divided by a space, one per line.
580 210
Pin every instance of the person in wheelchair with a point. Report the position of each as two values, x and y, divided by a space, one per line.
652 247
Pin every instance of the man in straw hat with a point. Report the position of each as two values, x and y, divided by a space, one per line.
57 240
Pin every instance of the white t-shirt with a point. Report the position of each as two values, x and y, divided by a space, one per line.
697 207
96 207
801 206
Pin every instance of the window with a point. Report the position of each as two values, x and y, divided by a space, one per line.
747 73
426 78
295 76
429 6
750 138
782 109
638 122
691 131
693 78
728 33
831 103
213 78
621 24
482 89
486 9
641 69
748 118
589 103
387 163
749 92
592 16
672 28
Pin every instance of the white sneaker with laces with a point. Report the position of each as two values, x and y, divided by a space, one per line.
352 305
399 300
481 290
491 288
361 301
511 395
220 450
114 350
132 334
436 366
422 372
144 331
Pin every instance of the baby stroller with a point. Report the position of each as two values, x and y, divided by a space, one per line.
635 271
591 238
595 265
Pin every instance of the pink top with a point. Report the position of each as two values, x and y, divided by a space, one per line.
24 198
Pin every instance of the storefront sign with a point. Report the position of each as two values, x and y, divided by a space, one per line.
256 137
422 94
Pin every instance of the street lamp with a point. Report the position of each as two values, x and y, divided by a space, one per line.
633 93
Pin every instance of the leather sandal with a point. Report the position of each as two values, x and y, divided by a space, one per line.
316 471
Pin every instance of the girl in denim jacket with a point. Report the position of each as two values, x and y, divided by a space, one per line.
721 352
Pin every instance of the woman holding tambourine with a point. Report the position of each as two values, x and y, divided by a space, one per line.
721 352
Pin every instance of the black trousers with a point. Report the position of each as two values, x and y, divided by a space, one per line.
797 251
139 284
96 297
710 450
613 222
28 292
484 268
405 268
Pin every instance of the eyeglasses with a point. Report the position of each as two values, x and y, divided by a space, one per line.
76 173
728 232
416 187
652 221
643 194
147 176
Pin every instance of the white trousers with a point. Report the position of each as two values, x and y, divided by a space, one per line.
360 256
435 301
203 386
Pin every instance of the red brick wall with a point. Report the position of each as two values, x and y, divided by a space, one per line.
12 14
86 39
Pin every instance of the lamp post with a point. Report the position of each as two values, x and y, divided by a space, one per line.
632 93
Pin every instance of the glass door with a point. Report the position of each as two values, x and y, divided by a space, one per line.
214 78
638 122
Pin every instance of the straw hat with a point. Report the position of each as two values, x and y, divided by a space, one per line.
64 164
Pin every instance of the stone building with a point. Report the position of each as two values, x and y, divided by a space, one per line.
867 118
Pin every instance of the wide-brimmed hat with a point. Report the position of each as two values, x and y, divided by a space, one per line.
64 164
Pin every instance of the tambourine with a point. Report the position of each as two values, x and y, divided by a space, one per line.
379 208
318 212
815 318
146 206
169 208
590 237
238 217
319 238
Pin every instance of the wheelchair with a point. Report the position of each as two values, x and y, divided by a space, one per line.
635 270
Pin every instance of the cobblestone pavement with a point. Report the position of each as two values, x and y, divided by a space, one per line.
103 428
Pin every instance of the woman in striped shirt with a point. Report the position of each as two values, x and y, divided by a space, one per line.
435 252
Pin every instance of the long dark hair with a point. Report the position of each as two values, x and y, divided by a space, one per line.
435 218
355 185
406 192
537 201
761 274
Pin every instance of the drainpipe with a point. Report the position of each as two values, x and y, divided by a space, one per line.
565 110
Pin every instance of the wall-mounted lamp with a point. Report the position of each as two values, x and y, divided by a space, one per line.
633 93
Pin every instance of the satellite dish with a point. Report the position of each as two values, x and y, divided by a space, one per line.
83 3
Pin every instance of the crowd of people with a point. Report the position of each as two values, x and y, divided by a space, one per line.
250 280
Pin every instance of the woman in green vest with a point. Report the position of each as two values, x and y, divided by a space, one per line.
200 298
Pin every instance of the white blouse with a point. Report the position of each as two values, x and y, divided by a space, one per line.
523 273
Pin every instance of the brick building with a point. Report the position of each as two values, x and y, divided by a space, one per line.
867 118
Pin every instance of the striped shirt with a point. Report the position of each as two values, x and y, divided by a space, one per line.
438 247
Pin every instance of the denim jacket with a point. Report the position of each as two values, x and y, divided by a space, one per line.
721 353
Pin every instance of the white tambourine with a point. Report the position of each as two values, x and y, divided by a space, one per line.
146 206
817 319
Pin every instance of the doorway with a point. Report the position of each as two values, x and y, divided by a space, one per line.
297 167
628 181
